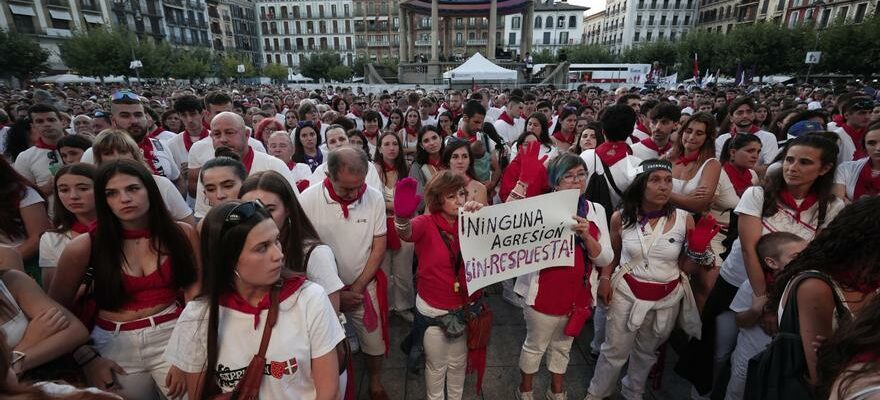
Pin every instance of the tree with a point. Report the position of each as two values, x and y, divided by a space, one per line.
847 48
545 56
766 48
590 54
228 66
22 56
339 73
359 65
98 52
662 51
318 65
277 72
157 59
191 65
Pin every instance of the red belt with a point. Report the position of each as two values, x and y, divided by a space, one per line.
650 291
138 324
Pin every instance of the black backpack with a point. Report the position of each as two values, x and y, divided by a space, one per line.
599 188
778 372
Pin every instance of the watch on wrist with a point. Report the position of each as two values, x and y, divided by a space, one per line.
17 362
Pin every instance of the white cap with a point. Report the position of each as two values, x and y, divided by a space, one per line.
814 105
687 110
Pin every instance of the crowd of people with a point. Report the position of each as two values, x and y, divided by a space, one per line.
188 242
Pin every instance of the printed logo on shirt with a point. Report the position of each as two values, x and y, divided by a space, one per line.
228 377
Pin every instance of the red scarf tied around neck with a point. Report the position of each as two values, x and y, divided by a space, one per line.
612 152
688 158
649 143
342 202
187 140
234 300
43 145
741 178
506 118
868 184
857 136
461 135
788 200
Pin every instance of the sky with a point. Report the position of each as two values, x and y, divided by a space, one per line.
595 5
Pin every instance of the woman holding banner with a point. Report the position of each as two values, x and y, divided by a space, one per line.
656 246
558 299
441 295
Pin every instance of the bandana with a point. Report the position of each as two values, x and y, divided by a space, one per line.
436 163
291 164
187 139
156 132
740 178
788 200
641 126
867 184
411 131
43 145
343 203
136 233
234 300
857 136
371 135
506 118
470 138
562 138
612 152
248 159
649 143
752 130
688 158
80 227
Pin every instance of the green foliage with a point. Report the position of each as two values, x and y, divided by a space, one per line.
358 65
662 51
276 72
99 52
588 54
849 48
229 66
318 65
339 73
545 56
22 56
193 65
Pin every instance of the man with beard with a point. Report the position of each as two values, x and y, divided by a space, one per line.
742 117
127 113
40 162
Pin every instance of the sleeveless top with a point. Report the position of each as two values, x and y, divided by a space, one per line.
685 187
14 328
150 290
659 260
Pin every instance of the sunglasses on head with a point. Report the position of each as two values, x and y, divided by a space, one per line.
303 123
125 94
241 213
101 114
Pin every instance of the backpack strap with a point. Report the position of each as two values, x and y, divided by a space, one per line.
608 175
790 319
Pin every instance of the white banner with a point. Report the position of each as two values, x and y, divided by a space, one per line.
508 240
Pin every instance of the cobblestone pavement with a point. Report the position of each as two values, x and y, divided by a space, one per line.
502 372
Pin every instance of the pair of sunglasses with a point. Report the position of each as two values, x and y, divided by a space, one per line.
241 213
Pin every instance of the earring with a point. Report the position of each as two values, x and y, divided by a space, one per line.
236 273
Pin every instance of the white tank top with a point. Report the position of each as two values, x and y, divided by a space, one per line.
14 328
684 187
661 263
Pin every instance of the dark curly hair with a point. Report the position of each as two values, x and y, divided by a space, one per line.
860 336
844 250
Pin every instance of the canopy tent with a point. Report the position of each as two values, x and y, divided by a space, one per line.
66 78
299 78
478 68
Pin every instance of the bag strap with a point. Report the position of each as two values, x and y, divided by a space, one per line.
456 264
270 320
789 321
608 175
308 255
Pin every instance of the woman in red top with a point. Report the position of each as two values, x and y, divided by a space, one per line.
143 262
564 134
441 287
555 296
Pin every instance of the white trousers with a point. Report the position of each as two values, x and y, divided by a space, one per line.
371 343
621 344
140 353
599 316
545 334
397 265
445 364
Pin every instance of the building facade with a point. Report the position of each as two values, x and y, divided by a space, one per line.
593 25
717 15
233 26
291 31
556 25
186 22
633 22
376 29
811 13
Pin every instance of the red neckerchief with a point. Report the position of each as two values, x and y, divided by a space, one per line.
317 126
558 135
866 357
80 227
411 131
838 119
619 150
506 118
850 279
385 114
436 163
452 112
740 178
371 135
342 202
522 115
146 146
867 184
248 159
641 126
291 164
187 139
43 145
136 233
450 229
688 158
357 113
234 300
649 143
388 168
856 135
788 200
461 135
752 130
156 132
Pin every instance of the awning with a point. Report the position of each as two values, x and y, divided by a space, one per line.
22 10
60 14
93 19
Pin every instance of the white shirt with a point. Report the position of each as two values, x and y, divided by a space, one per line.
527 285
307 328
162 161
322 269
751 340
643 152
262 162
769 146
51 246
726 197
847 148
372 180
177 148
492 114
351 239
30 198
203 150
733 270
847 174
38 165
510 132
165 136
661 263
174 202
622 171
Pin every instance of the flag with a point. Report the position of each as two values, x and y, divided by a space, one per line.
738 78
696 69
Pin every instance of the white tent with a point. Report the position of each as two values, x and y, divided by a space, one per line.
66 78
299 78
478 68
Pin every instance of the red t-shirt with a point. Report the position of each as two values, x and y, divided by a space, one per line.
435 275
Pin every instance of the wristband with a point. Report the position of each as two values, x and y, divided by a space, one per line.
94 356
607 278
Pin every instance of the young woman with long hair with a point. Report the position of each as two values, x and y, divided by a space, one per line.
848 363
219 332
536 125
23 216
446 124
589 138
441 282
564 134
390 163
552 296
74 214
855 179
141 262
395 123
843 252
695 170
306 142
656 247
458 158
222 176
409 134
738 158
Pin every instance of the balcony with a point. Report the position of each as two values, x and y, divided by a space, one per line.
378 43
59 3
92 5
423 42
477 42
174 3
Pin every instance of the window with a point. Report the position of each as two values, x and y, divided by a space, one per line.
299 44
662 20
546 38
335 43
687 19
286 44
308 11
560 23
674 20
549 23
764 6
538 22
289 60
860 12
677 4
563 37
515 23
572 21
660 35
345 7
636 36
672 36
298 28
650 20
638 20
333 10
321 11
648 36
793 19
690 3
826 15
511 39
458 39
296 12
842 13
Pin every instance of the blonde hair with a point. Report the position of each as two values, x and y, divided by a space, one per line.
112 139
